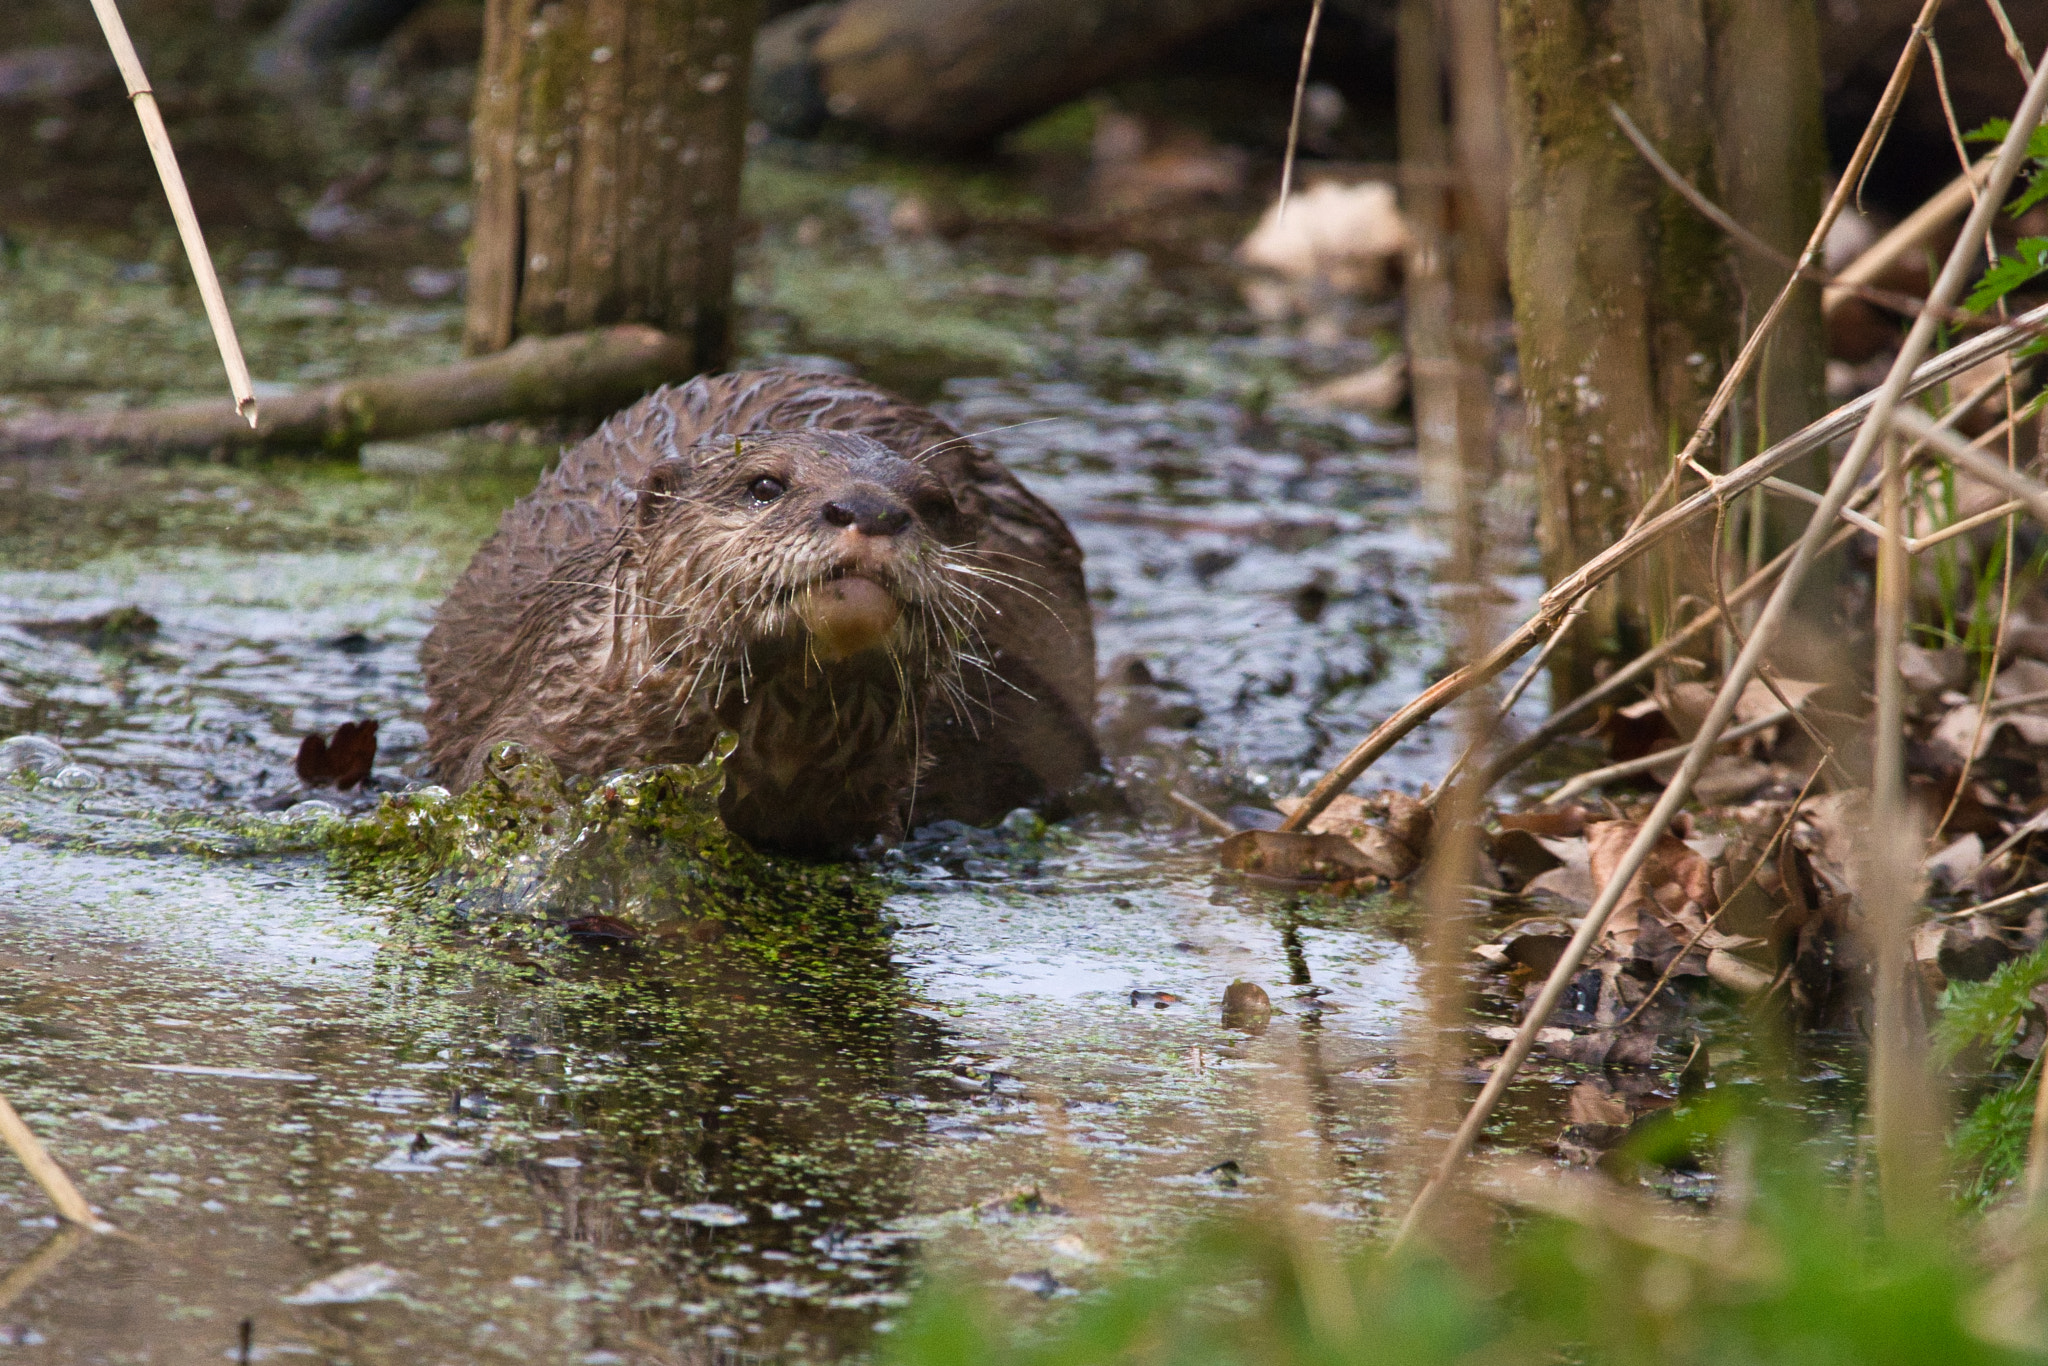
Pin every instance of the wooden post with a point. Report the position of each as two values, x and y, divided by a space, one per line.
608 143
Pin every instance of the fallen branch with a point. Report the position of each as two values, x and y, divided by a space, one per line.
582 373
159 139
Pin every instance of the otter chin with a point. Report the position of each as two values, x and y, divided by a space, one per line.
893 628
847 615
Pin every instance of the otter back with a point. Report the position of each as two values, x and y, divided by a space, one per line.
598 625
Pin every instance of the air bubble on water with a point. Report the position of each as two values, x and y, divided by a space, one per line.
312 812
37 754
75 778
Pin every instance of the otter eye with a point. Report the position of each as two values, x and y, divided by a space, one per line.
766 489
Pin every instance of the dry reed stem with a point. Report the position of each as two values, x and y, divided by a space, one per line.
2014 48
48 1256
1749 241
1901 1105
159 139
1567 592
1308 50
1646 531
1874 426
26 1146
2030 493
1911 234
1629 768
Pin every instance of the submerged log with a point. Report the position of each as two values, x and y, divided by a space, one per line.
950 73
586 373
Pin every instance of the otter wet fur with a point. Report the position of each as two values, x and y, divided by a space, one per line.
896 630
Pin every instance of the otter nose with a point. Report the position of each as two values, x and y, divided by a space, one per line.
871 514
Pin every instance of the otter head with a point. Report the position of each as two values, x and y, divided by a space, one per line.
808 549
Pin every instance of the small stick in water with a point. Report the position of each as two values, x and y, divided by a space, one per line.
47 1173
159 139
1308 50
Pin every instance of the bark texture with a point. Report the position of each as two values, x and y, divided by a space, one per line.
587 374
608 143
1771 153
955 72
1627 302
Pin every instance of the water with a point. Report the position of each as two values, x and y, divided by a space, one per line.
304 1115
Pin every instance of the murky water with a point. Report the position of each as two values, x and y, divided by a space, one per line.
306 1119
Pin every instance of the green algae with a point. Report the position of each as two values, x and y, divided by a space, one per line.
526 854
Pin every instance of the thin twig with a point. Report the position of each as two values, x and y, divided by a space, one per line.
2014 48
1645 531
1308 50
1912 233
34 1156
1785 824
1603 566
1996 903
1507 704
1874 427
2031 493
159 139
1629 768
1727 222
1202 813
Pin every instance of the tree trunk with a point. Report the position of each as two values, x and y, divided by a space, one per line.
1626 300
1772 157
608 143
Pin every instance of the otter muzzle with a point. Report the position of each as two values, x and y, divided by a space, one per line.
846 616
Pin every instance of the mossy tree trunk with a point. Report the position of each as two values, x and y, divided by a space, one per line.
1628 304
608 143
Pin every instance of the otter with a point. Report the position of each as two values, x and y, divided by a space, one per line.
895 629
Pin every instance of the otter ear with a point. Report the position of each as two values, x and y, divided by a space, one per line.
661 486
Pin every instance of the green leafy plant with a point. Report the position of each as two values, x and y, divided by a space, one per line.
2029 256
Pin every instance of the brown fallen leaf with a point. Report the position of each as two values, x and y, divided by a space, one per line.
1672 876
601 929
1565 823
342 762
1301 859
1592 1103
1392 829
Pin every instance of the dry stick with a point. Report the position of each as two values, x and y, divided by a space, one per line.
1308 50
1997 903
159 139
1507 704
2029 492
1556 723
1722 219
596 372
1629 768
1892 875
1603 566
1911 234
47 1173
1646 531
2014 48
1202 814
1875 426
47 1257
